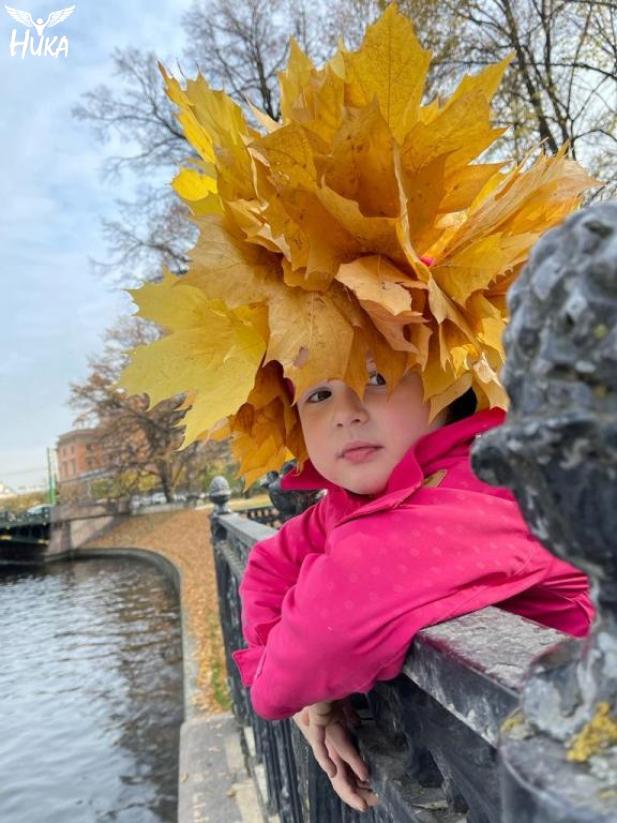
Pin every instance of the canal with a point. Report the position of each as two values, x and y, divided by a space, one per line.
90 693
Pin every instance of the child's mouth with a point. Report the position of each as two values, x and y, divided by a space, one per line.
362 454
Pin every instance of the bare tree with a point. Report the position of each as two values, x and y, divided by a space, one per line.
242 46
150 232
154 229
239 47
563 83
138 114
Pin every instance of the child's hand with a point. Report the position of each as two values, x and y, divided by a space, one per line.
320 716
325 726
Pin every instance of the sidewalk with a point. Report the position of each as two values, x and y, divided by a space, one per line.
214 784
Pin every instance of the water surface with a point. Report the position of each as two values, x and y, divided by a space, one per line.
90 693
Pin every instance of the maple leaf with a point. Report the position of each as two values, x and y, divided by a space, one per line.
386 294
210 350
311 340
391 65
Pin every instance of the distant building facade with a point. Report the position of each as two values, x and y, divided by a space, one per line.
80 459
78 453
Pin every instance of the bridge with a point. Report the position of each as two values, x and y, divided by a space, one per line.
30 539
24 538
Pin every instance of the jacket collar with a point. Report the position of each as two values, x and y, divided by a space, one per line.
425 456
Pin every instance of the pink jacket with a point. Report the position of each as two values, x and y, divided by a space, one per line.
332 601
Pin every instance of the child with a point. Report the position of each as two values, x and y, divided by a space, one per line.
406 536
359 224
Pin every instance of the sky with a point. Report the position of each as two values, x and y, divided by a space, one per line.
53 307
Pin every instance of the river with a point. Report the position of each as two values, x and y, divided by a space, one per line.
90 693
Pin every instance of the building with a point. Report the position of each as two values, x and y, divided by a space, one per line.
80 460
78 453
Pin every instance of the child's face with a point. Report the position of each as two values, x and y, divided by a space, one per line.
333 416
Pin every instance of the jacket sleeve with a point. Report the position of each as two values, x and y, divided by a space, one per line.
350 617
272 569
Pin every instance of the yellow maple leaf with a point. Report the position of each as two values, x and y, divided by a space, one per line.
211 351
466 183
385 293
360 165
550 181
391 66
289 155
192 185
216 127
294 80
226 268
478 264
310 340
324 104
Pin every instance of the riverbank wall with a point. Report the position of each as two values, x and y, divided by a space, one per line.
74 525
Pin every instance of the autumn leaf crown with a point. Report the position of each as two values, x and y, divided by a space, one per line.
315 238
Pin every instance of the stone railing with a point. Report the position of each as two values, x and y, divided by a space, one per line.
494 718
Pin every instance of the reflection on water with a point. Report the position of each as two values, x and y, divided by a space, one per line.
90 693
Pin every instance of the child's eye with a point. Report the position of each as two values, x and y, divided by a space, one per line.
327 392
319 391
380 376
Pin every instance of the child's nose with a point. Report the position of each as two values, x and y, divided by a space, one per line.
349 408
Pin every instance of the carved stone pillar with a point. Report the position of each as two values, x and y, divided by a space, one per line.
557 452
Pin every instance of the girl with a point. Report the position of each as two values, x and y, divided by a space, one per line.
360 222
406 536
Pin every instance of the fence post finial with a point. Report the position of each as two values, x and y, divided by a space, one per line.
219 494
